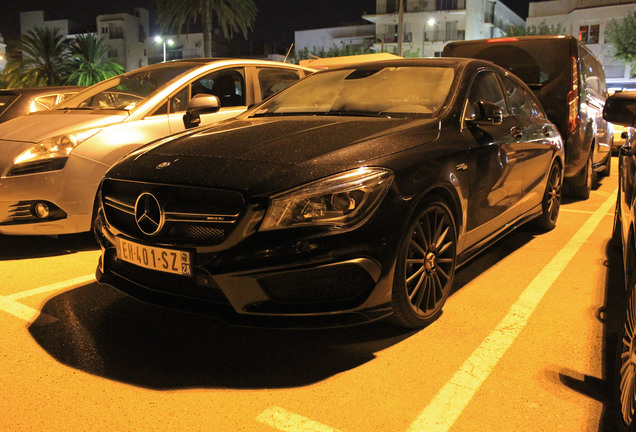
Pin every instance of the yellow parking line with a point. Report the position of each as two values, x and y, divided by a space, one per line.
446 407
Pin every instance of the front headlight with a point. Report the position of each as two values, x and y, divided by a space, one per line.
338 201
49 154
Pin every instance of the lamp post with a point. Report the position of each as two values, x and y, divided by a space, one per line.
160 40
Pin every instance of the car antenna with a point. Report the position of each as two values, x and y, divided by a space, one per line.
288 51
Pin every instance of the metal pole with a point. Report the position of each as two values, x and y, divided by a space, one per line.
164 51
400 25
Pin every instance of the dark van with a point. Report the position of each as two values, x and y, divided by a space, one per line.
570 84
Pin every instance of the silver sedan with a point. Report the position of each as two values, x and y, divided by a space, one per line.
51 162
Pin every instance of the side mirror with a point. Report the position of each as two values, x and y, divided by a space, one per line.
620 109
486 113
200 104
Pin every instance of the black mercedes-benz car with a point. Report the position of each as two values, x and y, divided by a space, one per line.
620 109
349 197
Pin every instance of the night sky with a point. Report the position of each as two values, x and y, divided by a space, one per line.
275 22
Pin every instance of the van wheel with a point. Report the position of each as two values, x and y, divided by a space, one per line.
425 266
608 166
581 185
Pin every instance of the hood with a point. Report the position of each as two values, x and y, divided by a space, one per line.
45 124
266 155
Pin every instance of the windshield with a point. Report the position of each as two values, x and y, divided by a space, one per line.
387 91
127 91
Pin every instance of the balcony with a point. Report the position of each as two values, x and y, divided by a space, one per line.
393 37
444 36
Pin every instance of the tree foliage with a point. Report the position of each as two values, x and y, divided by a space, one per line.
230 16
89 61
44 57
335 51
623 38
42 61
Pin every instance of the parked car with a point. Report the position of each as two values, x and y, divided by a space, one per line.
350 196
570 84
51 162
620 109
20 101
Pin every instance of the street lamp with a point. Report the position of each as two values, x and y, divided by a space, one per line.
160 40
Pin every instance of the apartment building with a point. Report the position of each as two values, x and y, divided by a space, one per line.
429 24
127 35
588 20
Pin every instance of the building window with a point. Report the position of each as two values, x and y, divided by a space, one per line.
104 30
588 34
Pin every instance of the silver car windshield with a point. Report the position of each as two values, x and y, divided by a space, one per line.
126 91
389 91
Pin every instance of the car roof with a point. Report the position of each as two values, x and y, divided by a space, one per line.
53 89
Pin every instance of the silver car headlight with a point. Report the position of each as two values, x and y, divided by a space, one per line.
49 154
338 201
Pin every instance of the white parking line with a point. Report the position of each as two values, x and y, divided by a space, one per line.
69 284
10 304
283 420
446 407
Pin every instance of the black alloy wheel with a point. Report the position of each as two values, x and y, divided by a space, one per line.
625 382
425 266
551 200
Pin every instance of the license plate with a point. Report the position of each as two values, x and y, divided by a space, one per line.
155 258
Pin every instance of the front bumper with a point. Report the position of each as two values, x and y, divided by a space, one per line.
321 284
69 192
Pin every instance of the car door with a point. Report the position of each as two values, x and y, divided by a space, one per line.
532 147
496 182
228 84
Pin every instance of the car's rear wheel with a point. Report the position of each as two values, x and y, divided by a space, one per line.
425 266
625 381
551 200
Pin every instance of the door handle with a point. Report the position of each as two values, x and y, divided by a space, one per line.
516 132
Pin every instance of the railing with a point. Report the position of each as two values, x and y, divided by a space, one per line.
442 36
393 37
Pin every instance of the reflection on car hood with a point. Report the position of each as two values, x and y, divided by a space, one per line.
260 155
40 125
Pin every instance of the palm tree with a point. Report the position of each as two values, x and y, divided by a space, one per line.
230 15
41 59
90 62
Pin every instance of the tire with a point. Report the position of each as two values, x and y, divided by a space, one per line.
551 202
625 370
608 166
425 266
581 185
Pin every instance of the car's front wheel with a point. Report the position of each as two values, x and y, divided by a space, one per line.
425 266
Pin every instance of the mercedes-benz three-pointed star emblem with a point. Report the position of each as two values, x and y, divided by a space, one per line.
148 214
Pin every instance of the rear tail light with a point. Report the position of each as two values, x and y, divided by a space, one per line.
508 39
573 99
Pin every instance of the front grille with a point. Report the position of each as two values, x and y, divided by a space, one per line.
192 214
200 286
338 283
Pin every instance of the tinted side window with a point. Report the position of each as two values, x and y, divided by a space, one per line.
485 88
520 103
272 80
